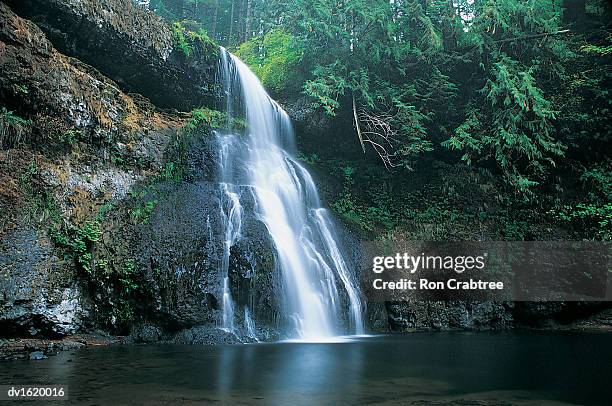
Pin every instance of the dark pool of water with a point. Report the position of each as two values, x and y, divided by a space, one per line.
436 368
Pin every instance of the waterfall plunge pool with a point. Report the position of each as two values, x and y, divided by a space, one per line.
428 368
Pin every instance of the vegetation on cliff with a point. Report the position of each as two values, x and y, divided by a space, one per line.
516 89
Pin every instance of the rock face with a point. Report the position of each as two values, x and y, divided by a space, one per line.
63 94
39 293
422 315
80 121
130 45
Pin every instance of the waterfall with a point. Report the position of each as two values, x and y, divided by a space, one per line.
249 325
286 201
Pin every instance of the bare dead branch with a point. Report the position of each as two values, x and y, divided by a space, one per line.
379 133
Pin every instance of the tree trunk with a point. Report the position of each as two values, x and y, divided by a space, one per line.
215 16
357 126
448 31
180 9
249 20
231 29
239 21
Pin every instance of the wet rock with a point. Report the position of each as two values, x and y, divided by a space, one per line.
561 315
377 318
39 293
146 334
205 335
42 292
37 355
21 348
419 315
178 253
129 44
64 94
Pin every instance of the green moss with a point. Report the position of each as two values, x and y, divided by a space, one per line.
311 159
274 58
205 117
104 210
141 214
191 43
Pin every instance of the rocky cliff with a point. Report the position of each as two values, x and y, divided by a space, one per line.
57 168
173 67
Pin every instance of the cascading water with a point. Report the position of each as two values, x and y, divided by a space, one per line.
287 202
249 324
231 215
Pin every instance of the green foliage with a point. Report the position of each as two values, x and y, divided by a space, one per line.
117 156
12 128
206 117
587 217
598 179
310 159
328 85
192 42
346 207
71 137
367 218
593 49
171 171
509 120
141 214
274 58
104 210
127 276
78 242
82 244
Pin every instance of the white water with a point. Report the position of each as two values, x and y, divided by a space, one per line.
249 325
231 215
312 265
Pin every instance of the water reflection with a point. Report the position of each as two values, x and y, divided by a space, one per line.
519 368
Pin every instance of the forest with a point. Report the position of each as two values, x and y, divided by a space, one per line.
518 91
